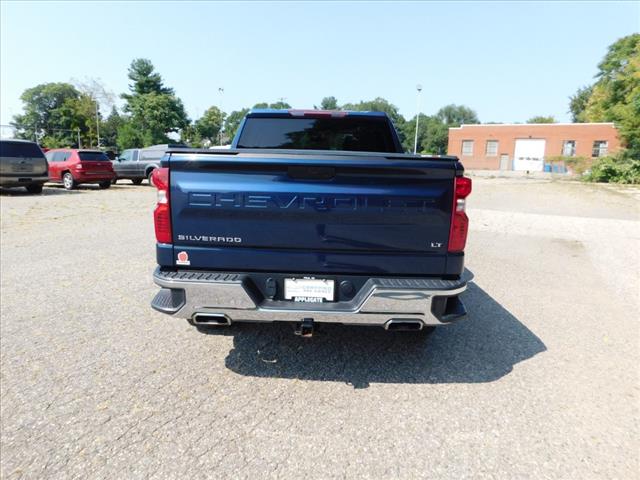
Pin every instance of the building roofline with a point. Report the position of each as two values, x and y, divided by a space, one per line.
527 124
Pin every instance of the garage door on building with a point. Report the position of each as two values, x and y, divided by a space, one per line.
529 154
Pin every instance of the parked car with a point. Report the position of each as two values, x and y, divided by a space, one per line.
73 166
22 164
311 216
136 164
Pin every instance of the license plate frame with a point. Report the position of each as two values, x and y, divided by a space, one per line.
309 290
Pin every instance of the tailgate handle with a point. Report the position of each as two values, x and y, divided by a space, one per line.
311 172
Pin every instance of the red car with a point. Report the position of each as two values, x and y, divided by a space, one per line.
73 166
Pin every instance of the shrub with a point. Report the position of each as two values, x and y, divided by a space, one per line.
577 165
615 169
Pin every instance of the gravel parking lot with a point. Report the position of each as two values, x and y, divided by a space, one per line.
541 381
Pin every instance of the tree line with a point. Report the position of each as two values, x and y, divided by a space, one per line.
66 114
615 94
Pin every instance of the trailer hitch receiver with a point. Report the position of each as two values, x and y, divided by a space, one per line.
304 327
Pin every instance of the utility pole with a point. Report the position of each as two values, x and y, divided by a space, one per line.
415 142
78 131
220 91
97 124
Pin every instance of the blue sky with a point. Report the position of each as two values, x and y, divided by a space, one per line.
508 61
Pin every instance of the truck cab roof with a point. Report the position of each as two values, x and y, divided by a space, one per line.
292 112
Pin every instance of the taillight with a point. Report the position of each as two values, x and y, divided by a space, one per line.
459 219
162 213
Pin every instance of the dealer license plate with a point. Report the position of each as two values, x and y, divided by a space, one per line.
310 290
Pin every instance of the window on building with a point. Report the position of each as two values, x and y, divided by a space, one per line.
467 147
492 148
569 148
599 148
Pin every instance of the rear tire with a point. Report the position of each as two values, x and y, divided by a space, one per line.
137 181
34 188
150 177
104 185
68 181
114 181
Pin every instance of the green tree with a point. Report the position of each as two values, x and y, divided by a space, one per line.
52 115
84 119
328 103
456 115
433 131
145 79
232 123
155 116
95 98
578 103
433 135
154 110
109 128
542 119
380 104
615 96
129 136
190 136
409 131
280 105
210 124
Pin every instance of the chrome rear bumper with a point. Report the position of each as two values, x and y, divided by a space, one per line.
186 293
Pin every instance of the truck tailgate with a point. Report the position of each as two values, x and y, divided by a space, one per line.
311 211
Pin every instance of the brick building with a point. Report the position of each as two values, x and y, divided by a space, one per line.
530 146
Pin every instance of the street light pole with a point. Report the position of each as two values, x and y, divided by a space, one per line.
415 141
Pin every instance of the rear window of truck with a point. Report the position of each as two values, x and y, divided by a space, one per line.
351 133
93 157
20 149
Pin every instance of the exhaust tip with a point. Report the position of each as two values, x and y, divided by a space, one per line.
211 319
403 325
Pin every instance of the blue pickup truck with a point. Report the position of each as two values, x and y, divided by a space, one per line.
311 216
